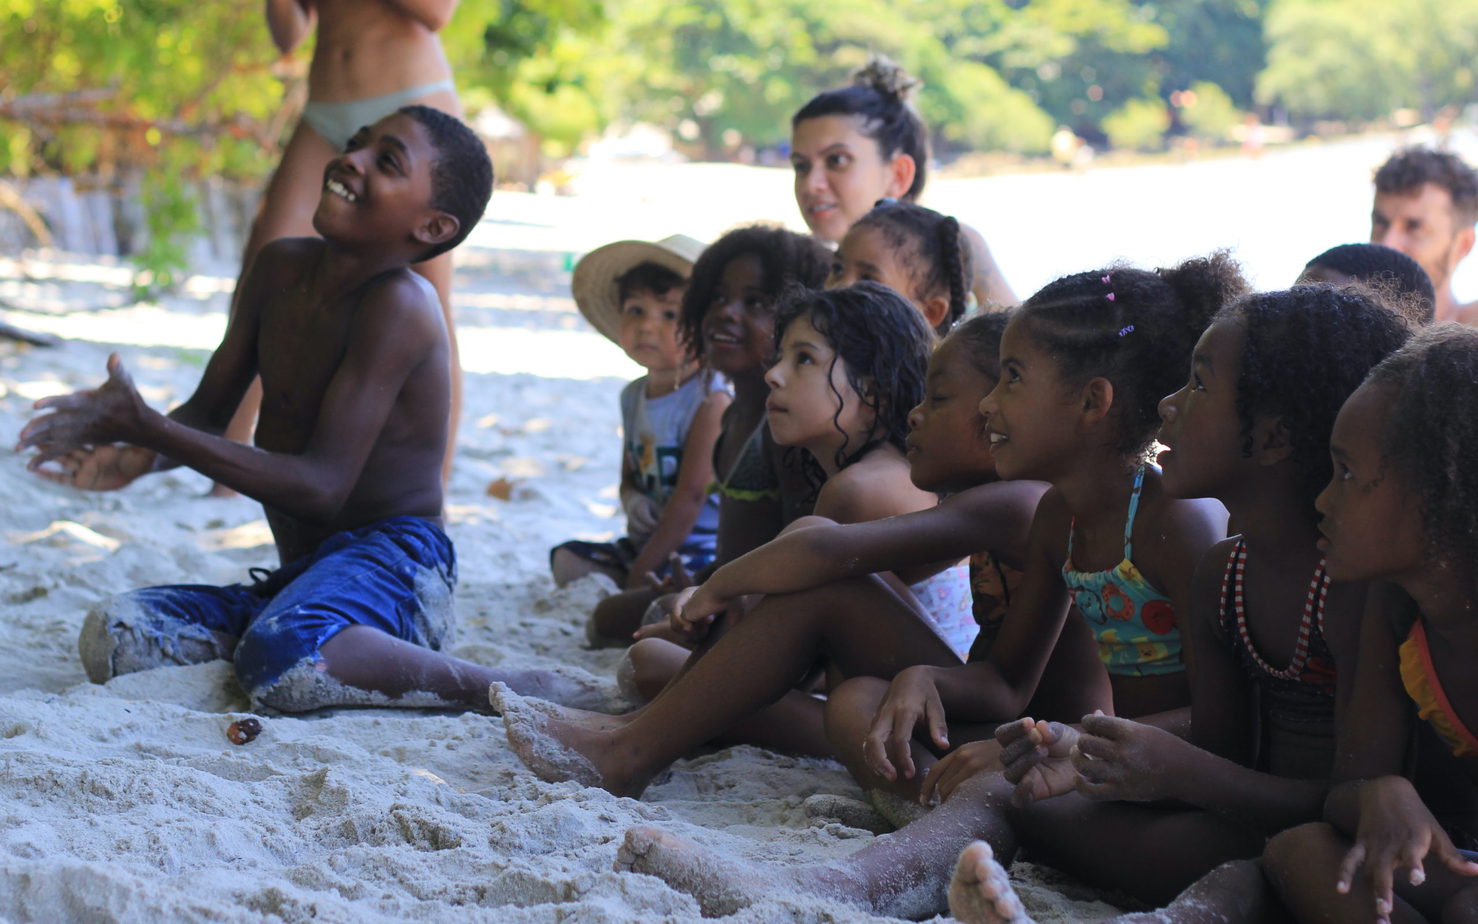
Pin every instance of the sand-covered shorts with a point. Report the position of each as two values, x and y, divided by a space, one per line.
396 575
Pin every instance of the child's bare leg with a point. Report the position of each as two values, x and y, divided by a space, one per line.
981 893
849 713
903 874
1233 893
792 725
616 617
858 627
1302 864
565 567
367 659
1147 852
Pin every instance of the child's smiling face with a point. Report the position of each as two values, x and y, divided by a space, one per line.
739 325
648 329
811 403
1371 521
379 188
1030 415
947 446
1199 423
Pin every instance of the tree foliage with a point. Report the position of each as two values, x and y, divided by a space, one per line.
1360 59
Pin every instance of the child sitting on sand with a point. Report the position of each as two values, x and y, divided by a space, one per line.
1403 506
728 321
851 358
912 250
1084 363
352 351
849 372
632 291
1274 643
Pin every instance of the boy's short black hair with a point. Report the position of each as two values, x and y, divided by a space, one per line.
1406 171
461 178
647 276
1391 273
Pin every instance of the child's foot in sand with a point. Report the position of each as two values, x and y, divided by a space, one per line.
721 884
557 687
562 744
981 893
574 715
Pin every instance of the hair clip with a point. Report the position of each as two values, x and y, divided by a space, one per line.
1109 296
1126 330
1108 280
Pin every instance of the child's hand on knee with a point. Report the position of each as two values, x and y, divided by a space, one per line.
968 760
1396 832
912 700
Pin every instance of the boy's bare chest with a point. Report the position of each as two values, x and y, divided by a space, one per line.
299 349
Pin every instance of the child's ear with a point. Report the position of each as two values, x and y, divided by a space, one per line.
901 171
1271 442
936 309
438 229
1097 397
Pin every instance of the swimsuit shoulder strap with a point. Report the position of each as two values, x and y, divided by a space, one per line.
1231 587
744 450
1133 509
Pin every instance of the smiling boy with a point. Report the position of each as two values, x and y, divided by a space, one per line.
352 351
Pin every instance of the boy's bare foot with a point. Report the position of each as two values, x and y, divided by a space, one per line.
556 748
981 893
573 715
564 687
721 884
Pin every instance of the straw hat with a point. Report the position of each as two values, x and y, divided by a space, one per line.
594 282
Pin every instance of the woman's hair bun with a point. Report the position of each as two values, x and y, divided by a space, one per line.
886 77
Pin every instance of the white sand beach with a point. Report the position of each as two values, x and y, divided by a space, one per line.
127 802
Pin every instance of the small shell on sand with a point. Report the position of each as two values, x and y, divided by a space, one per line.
243 730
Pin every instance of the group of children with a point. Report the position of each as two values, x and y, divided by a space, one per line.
1157 580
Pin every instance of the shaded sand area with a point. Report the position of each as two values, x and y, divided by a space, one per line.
126 802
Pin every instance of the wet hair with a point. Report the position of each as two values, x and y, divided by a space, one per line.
786 257
1400 280
930 245
883 344
879 94
647 277
461 178
1407 170
1305 351
1133 327
1431 437
980 337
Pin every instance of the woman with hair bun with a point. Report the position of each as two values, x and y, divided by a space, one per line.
853 146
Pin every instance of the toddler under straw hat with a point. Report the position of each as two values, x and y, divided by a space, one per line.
594 283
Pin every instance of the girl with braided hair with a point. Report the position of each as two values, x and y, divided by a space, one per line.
914 251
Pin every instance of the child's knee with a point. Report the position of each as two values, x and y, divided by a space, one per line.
852 704
648 666
1287 856
123 634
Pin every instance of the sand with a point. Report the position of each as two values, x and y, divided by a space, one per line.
127 802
